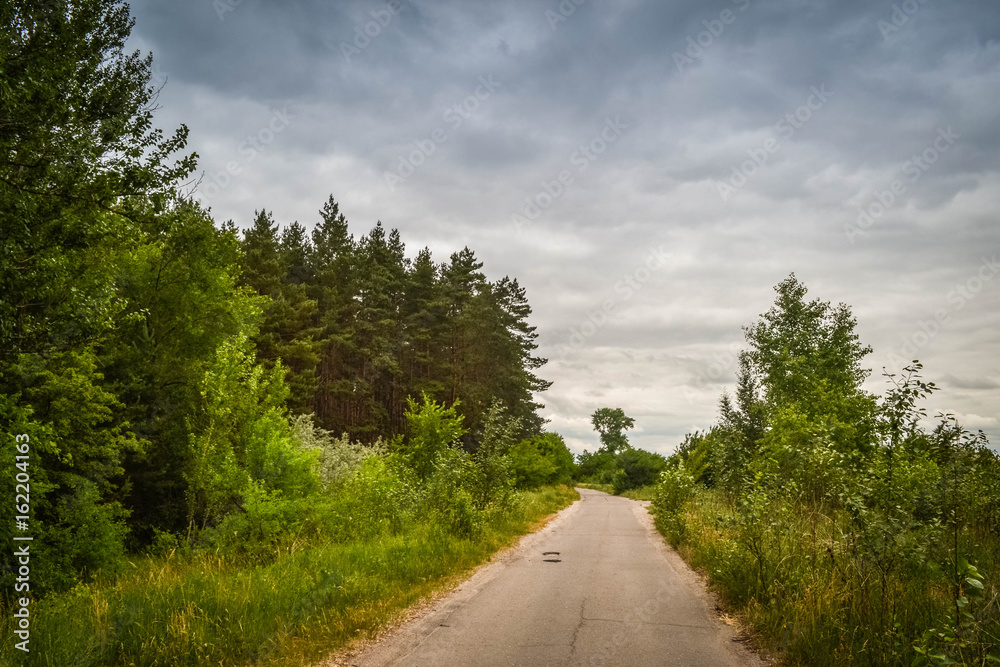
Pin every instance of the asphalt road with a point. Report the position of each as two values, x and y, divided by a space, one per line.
597 586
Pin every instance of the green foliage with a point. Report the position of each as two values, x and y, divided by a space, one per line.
361 327
801 351
637 468
80 165
611 424
597 467
531 468
840 526
675 488
432 429
495 477
321 592
616 463
696 454
239 400
77 445
276 268
542 460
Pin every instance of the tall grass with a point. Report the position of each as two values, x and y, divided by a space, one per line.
821 592
647 492
307 600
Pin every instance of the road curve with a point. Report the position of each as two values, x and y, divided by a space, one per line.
597 586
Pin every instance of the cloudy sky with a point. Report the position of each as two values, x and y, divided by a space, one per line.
648 170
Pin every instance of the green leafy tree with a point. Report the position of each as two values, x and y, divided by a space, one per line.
531 468
183 302
698 454
553 447
432 429
807 354
80 166
596 467
611 424
495 479
82 173
543 459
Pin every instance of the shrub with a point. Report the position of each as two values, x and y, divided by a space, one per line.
676 487
544 459
432 428
637 468
337 457
531 468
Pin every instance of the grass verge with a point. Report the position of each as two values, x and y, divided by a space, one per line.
642 493
207 610
814 592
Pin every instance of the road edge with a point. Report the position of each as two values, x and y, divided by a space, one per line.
737 640
419 621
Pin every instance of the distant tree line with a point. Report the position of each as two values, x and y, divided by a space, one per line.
616 462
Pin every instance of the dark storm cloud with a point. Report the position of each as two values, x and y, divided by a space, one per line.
824 118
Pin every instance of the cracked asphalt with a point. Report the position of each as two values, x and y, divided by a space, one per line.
596 586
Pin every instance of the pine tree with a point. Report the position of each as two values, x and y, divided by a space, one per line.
334 289
287 333
381 276
462 281
518 382
424 322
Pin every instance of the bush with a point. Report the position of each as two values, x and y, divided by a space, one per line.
531 468
432 428
676 487
259 528
596 467
637 468
544 459
337 457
